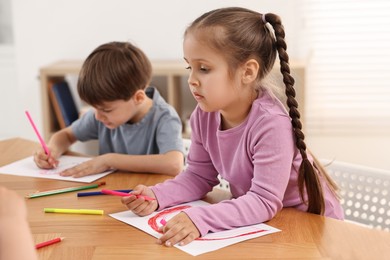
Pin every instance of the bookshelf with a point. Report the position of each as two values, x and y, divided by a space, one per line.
169 76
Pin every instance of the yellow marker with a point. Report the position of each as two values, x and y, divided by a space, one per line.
74 211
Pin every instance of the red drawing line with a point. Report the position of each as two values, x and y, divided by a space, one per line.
152 222
240 235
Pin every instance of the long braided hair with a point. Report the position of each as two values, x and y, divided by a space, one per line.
243 34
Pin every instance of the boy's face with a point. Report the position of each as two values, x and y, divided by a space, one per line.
115 113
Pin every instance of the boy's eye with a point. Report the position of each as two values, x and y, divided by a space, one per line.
106 110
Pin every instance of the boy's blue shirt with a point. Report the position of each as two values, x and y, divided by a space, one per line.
160 131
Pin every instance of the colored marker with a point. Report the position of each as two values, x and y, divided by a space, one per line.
163 222
117 193
70 189
94 193
74 211
48 243
44 146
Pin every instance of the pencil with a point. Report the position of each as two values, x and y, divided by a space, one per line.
70 189
44 146
74 211
49 242
94 193
122 194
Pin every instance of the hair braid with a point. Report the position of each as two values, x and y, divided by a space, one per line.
307 177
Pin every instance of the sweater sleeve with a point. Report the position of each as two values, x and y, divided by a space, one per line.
271 150
272 154
195 181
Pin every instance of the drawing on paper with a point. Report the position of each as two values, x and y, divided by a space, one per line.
153 223
57 171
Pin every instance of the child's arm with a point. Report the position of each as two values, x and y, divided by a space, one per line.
140 206
58 144
15 238
179 229
170 163
62 140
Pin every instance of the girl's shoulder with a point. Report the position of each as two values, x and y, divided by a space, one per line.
268 104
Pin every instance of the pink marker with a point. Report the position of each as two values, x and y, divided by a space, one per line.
163 222
38 134
124 194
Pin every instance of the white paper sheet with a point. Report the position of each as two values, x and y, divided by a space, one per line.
197 247
27 167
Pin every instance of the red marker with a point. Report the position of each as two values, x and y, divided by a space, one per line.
48 243
123 194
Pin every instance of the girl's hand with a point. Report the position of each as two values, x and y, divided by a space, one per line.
140 206
180 229
96 165
44 161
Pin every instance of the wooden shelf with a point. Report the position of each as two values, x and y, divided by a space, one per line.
172 70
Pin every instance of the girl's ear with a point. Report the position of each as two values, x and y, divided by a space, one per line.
139 96
250 71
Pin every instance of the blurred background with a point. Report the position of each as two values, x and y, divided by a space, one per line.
342 44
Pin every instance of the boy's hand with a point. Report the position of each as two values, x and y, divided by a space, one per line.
179 229
93 166
140 206
44 161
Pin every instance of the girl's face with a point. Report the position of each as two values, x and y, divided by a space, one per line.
115 113
209 79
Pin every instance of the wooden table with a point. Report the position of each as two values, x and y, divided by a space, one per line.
303 236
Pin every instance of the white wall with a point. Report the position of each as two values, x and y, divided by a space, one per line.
46 31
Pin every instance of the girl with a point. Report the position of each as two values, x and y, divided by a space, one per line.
240 131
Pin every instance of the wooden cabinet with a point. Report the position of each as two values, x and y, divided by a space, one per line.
168 76
172 72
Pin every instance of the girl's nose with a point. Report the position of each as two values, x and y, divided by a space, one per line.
192 82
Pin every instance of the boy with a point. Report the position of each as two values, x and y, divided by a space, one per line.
137 130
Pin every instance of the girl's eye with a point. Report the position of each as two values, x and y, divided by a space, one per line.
201 68
204 69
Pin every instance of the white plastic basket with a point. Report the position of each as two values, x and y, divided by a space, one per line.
365 193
